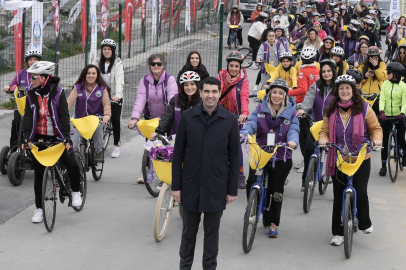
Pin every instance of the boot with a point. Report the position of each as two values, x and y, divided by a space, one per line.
241 182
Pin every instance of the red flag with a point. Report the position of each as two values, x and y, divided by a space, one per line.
193 11
104 12
18 48
177 11
200 4
84 24
128 21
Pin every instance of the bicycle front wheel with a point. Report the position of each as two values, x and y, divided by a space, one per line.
324 181
83 181
309 186
106 135
348 225
247 52
163 211
392 159
153 186
250 220
49 191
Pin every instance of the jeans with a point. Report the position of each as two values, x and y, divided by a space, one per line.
97 139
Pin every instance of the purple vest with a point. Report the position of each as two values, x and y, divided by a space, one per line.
344 133
352 46
91 105
23 80
320 104
285 43
281 132
266 54
53 113
147 108
297 34
177 116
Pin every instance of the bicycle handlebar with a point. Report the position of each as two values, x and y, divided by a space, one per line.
331 145
242 140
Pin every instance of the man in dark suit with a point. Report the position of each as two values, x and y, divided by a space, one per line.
205 169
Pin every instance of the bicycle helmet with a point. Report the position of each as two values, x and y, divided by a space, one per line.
334 20
281 3
337 51
336 10
32 53
279 83
308 55
298 13
189 76
356 74
235 56
280 8
364 38
402 46
373 51
263 14
328 38
316 14
368 17
322 21
260 4
308 6
286 55
372 11
395 67
345 79
343 7
329 62
310 30
276 19
352 30
42 68
314 6
322 15
370 22
235 6
108 42
355 22
279 27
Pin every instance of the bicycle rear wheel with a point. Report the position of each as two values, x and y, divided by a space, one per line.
387 56
247 52
83 182
309 186
49 191
153 186
348 225
323 183
107 129
250 220
400 159
392 160
163 211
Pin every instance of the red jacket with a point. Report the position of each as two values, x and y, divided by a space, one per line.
308 74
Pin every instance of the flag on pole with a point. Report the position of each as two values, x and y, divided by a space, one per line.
37 30
84 24
104 17
143 18
154 18
57 20
93 43
74 12
18 39
160 17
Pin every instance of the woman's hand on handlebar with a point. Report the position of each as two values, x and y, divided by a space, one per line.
300 112
242 118
6 88
292 145
322 142
378 143
132 123
115 99
106 118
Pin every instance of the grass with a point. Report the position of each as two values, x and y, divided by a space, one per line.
4 68
9 104
2 47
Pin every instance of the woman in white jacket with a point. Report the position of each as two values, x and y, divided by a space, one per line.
255 33
283 21
112 72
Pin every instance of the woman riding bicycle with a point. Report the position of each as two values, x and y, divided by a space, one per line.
112 71
325 50
235 94
359 57
349 123
187 98
91 95
298 31
392 103
22 79
276 114
338 54
255 34
235 17
47 118
317 100
398 32
194 63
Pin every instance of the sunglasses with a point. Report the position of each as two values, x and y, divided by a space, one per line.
388 72
328 42
153 64
34 77
402 52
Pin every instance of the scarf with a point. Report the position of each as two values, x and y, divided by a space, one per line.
357 134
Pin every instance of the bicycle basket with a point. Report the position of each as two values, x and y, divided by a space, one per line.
20 102
163 170
86 125
371 102
402 41
271 70
147 127
258 157
351 169
49 156
315 129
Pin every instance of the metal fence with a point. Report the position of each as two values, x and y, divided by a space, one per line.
170 38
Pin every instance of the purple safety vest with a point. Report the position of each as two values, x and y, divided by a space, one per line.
321 104
147 109
91 105
266 54
23 80
281 132
177 116
298 33
352 47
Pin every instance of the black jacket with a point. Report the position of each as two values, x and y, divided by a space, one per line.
206 159
63 112
204 74
373 38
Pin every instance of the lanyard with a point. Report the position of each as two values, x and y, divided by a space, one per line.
271 48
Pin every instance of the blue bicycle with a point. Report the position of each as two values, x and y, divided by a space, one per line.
233 36
257 200
394 152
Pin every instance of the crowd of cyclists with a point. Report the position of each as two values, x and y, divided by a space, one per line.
340 68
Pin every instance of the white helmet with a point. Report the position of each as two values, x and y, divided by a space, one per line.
345 79
308 53
263 14
32 53
189 76
337 51
42 68
108 42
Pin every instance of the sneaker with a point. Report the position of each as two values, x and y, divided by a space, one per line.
99 157
241 182
116 152
140 180
76 199
159 186
239 46
254 67
256 88
302 189
369 230
38 216
299 165
337 240
300 170
382 171
272 231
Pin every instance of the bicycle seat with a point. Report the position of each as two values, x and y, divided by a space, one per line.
351 169
49 156
233 26
163 170
86 125
315 129
20 103
146 127
258 157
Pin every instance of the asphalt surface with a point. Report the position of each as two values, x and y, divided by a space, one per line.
114 230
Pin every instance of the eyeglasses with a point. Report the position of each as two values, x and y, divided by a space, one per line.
153 64
328 42
388 72
34 77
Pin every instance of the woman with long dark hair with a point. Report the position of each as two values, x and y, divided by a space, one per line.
338 54
325 50
92 97
401 57
350 43
194 63
374 71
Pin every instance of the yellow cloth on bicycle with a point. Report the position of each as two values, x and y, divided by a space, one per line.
261 94
291 49
233 26
49 156
86 125
351 169
257 155
20 102
315 129
148 126
371 102
271 70
402 41
163 170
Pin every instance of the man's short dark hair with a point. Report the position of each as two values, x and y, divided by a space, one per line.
211 81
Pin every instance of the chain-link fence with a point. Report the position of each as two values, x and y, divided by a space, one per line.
161 31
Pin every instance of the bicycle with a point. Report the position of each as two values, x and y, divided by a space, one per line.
395 154
107 131
233 36
56 180
258 194
247 53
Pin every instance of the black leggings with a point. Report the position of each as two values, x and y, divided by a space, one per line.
360 184
400 126
239 36
116 111
276 183
258 81
14 128
68 159
254 44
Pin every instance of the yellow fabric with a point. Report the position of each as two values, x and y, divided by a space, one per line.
163 170
345 67
291 49
291 16
233 26
20 102
148 126
271 70
372 85
289 76
258 155
49 156
351 169
298 64
371 102
345 27
86 125
402 41
315 129
261 94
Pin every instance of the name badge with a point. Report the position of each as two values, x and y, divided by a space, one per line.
79 95
22 81
177 109
270 138
261 115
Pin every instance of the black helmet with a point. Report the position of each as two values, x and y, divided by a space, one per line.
395 67
356 74
280 83
311 29
235 56
345 79
235 6
329 62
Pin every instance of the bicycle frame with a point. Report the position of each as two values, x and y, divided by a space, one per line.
320 162
350 189
396 139
89 144
58 176
258 185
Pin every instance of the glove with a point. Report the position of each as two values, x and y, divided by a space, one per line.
382 116
401 117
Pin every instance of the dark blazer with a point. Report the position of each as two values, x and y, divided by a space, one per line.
206 159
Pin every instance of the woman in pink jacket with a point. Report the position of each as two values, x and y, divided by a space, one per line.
322 34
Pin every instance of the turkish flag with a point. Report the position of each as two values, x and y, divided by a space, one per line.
18 48
84 23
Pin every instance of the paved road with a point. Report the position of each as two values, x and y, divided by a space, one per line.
114 230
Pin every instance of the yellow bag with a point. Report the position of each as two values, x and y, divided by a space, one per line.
148 126
258 156
163 170
86 125
49 156
315 129
20 102
351 169
233 26
271 70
